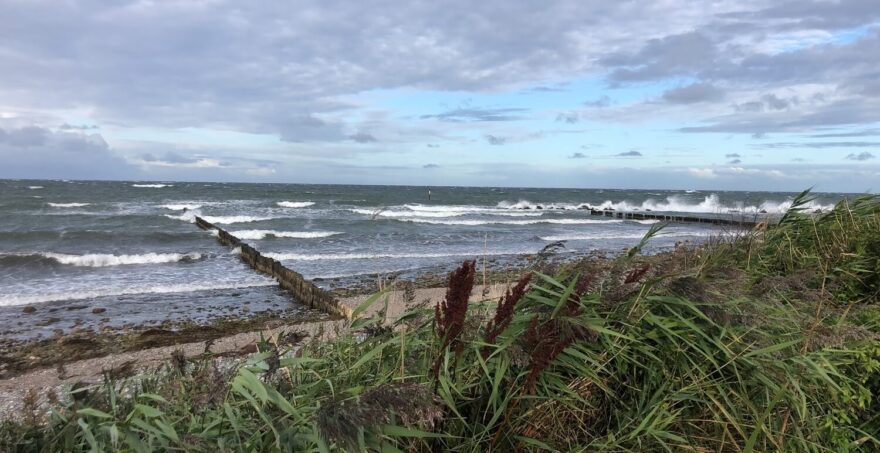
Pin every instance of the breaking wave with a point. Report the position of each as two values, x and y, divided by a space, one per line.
68 205
262 234
156 289
512 222
35 187
190 216
180 207
711 204
592 237
440 212
152 186
99 259
295 204
366 256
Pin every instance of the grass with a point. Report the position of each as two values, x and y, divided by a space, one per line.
763 341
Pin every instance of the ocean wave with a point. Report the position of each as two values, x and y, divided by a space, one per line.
365 256
155 289
35 187
512 222
180 207
295 204
711 204
97 259
152 186
262 234
591 237
440 212
190 216
68 205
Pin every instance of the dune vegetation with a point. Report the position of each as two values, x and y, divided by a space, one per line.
767 340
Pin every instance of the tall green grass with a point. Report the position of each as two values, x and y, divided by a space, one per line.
724 347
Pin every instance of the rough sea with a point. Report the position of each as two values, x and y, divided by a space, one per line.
130 251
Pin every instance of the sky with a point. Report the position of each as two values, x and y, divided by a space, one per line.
662 94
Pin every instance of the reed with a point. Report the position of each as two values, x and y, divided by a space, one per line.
767 341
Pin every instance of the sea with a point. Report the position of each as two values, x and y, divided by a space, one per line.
115 254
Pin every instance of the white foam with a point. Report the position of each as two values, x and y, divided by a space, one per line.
152 186
262 234
711 204
103 260
180 207
591 237
366 256
440 211
68 205
190 216
235 219
159 289
527 205
512 222
35 187
295 204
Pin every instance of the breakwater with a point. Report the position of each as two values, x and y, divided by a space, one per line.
741 222
293 282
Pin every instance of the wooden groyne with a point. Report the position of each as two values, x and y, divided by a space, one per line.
302 289
740 222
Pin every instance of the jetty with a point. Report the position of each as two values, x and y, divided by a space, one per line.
743 221
303 290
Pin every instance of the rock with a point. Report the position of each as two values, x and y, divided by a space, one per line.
29 309
98 310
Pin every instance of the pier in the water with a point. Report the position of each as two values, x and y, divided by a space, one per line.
302 289
741 222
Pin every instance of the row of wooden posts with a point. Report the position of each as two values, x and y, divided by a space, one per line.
302 289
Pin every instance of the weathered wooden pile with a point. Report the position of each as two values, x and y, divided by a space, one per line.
302 289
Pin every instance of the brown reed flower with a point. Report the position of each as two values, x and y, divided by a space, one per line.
550 337
636 274
450 315
504 312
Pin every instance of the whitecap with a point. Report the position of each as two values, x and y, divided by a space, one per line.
68 205
157 289
512 222
152 186
262 234
295 204
104 260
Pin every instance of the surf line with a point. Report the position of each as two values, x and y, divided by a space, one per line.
293 282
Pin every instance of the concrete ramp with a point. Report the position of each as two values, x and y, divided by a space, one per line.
293 282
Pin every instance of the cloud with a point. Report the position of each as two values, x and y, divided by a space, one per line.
430 166
602 101
860 156
569 117
578 156
496 140
693 93
732 155
39 152
469 114
735 161
819 145
362 137
632 153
